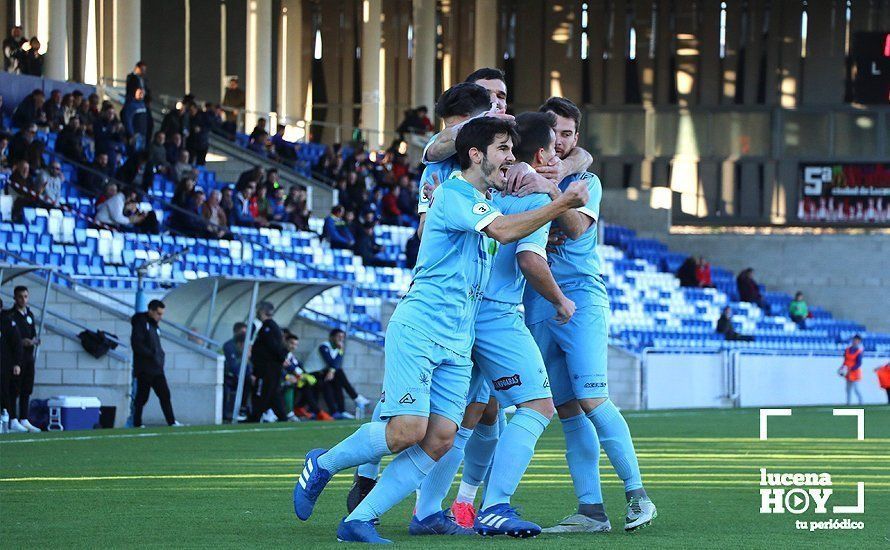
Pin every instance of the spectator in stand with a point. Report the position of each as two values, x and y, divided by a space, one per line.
227 202
21 143
332 378
11 46
35 155
182 196
69 143
20 185
284 150
68 109
134 117
233 351
95 180
749 290
23 319
703 273
173 146
259 131
851 369
132 208
111 211
136 81
148 363
724 327
367 248
172 123
412 247
183 168
136 172
53 109
193 222
407 199
198 141
295 206
31 60
276 212
392 214
271 182
255 174
5 165
336 231
52 192
157 155
269 357
30 110
259 205
213 212
687 273
105 133
799 311
234 101
301 384
884 378
241 215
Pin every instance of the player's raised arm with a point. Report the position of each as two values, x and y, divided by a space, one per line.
507 229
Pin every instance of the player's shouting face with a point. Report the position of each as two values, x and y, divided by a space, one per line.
497 160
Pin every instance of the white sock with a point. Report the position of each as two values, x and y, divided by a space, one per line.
466 493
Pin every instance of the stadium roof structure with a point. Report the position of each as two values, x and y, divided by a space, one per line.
214 304
9 272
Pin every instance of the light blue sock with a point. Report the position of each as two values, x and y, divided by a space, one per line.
371 470
367 444
401 478
502 425
614 435
478 453
514 452
436 485
583 456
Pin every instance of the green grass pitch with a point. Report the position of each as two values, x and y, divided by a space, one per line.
231 486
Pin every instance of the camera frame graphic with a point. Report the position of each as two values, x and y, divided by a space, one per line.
859 508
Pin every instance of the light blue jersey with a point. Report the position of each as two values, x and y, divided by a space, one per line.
575 264
507 281
453 267
443 170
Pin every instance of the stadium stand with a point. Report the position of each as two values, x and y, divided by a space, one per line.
649 308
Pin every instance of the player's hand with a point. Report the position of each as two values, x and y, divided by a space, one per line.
564 311
555 170
329 375
16 370
555 238
27 342
496 112
577 194
515 173
532 182
429 188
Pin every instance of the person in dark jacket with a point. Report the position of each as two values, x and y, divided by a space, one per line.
333 380
232 351
724 327
366 246
269 357
749 290
11 354
686 273
136 81
198 142
135 116
69 144
148 362
31 61
336 230
30 110
23 383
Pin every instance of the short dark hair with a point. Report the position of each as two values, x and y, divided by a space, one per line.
564 108
19 288
479 133
140 63
291 336
535 132
463 99
335 332
238 326
156 305
857 337
486 73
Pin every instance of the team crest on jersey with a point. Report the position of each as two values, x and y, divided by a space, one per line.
481 208
424 379
506 382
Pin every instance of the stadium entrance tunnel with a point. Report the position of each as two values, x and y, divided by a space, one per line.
213 304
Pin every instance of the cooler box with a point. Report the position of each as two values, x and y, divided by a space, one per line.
73 413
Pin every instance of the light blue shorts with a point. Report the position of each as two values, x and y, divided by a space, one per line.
480 390
507 357
576 354
422 377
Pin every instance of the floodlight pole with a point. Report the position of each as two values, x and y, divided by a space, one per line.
248 338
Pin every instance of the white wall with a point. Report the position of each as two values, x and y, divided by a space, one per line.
766 381
674 381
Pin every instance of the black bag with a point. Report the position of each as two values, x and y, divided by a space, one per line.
97 342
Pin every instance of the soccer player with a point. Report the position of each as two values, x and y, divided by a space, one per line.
506 359
431 332
576 355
